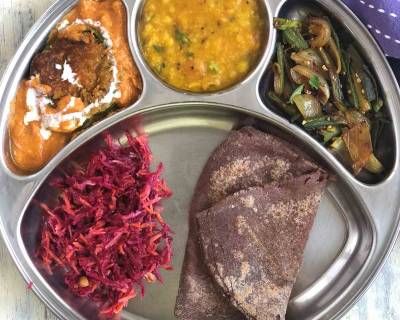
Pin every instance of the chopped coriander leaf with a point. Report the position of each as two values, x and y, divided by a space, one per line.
296 92
189 54
181 37
97 35
314 82
161 67
158 48
213 67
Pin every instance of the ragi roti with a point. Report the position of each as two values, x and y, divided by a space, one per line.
247 158
253 242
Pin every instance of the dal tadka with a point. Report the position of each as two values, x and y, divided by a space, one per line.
202 46
86 68
253 242
247 158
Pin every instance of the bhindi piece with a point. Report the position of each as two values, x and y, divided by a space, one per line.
350 85
339 46
335 80
289 109
377 103
329 133
284 24
294 38
364 104
340 106
377 128
368 85
335 54
336 87
288 65
357 70
356 61
318 123
279 71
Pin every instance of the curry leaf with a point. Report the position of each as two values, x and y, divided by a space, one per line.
181 37
161 67
158 48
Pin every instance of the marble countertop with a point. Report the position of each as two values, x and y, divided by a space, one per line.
18 302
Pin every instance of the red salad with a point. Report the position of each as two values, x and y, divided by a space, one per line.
106 233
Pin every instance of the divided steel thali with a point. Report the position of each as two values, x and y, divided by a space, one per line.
199 159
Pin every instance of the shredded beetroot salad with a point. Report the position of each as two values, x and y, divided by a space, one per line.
106 233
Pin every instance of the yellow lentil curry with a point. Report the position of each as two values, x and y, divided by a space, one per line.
202 45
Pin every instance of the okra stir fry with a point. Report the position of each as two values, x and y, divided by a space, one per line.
327 88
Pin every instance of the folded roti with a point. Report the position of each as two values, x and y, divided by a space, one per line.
247 158
253 242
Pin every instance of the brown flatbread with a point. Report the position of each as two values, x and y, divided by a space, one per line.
247 158
253 242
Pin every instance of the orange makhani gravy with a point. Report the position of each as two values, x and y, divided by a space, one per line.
30 148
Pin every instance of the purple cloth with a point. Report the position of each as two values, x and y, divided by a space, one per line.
395 64
382 17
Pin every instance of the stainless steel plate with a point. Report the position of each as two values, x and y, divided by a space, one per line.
183 137
357 222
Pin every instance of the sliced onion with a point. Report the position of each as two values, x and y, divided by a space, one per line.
308 105
296 77
335 54
300 73
311 59
354 117
321 29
